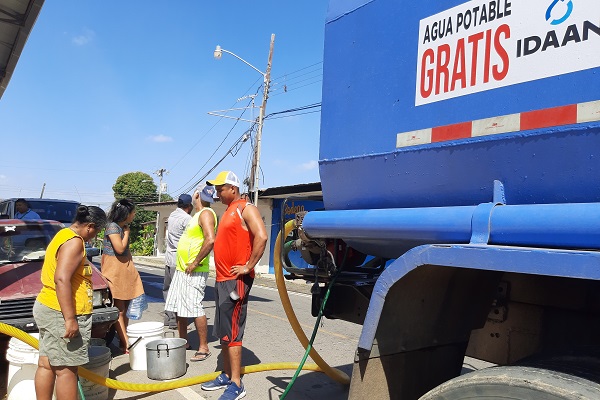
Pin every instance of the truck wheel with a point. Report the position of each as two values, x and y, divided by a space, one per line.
516 382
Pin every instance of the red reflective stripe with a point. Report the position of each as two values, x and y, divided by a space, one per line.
549 117
537 119
237 310
451 132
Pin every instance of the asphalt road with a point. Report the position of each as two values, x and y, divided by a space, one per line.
268 339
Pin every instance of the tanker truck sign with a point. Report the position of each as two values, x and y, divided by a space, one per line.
483 45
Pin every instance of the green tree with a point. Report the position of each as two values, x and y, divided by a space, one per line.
144 245
140 188
166 197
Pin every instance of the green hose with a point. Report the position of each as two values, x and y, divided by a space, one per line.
312 339
334 373
80 388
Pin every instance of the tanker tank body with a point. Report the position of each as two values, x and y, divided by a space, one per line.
460 151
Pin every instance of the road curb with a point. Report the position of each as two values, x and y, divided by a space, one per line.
267 280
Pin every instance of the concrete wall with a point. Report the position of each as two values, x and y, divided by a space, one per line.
165 209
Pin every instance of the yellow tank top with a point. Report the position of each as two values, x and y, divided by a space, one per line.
81 281
191 242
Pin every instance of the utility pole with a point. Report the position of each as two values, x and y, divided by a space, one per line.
255 171
43 188
160 174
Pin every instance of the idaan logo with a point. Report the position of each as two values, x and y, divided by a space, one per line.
567 12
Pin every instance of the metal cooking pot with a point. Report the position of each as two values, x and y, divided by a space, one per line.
166 359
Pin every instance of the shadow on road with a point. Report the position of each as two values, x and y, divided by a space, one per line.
309 385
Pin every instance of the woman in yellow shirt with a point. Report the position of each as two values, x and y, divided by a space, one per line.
63 309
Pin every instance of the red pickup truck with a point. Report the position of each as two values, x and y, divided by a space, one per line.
22 249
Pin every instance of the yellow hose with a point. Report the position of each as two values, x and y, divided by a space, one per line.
154 387
320 366
333 373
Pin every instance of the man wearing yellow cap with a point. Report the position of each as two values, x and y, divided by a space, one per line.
240 243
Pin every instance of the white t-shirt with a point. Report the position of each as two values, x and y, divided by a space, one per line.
175 227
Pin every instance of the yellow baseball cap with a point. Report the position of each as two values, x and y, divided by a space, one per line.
225 178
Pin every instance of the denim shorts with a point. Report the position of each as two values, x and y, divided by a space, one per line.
62 351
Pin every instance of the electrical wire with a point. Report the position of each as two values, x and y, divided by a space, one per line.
286 84
294 115
298 87
302 108
212 127
233 150
248 162
217 149
298 70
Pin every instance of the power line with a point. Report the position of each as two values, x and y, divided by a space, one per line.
289 76
232 150
293 115
319 73
302 108
20 166
240 141
212 127
298 70
217 149
289 90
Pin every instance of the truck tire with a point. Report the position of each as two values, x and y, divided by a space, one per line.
516 382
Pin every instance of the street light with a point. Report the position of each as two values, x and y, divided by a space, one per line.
254 174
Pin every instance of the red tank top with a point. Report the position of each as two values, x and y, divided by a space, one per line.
233 243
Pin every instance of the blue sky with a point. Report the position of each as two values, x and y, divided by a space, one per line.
108 87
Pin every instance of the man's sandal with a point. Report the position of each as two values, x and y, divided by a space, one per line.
200 356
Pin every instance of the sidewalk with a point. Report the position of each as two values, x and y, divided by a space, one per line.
268 280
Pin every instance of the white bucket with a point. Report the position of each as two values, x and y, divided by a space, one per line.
23 360
147 331
99 363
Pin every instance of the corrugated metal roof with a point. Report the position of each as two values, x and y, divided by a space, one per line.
17 18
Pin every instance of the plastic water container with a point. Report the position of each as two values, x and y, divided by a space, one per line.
147 331
99 363
22 364
23 360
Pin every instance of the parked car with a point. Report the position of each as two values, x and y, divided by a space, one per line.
57 210
22 249
91 251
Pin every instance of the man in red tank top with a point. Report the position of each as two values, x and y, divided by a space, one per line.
240 243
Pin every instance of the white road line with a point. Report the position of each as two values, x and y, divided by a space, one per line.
189 394
145 268
290 293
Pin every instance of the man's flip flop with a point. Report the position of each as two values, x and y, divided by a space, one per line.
200 356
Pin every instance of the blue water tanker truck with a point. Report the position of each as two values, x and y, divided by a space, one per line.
460 170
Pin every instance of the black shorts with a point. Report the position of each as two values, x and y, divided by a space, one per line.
230 315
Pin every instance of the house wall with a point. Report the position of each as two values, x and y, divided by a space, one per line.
264 206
